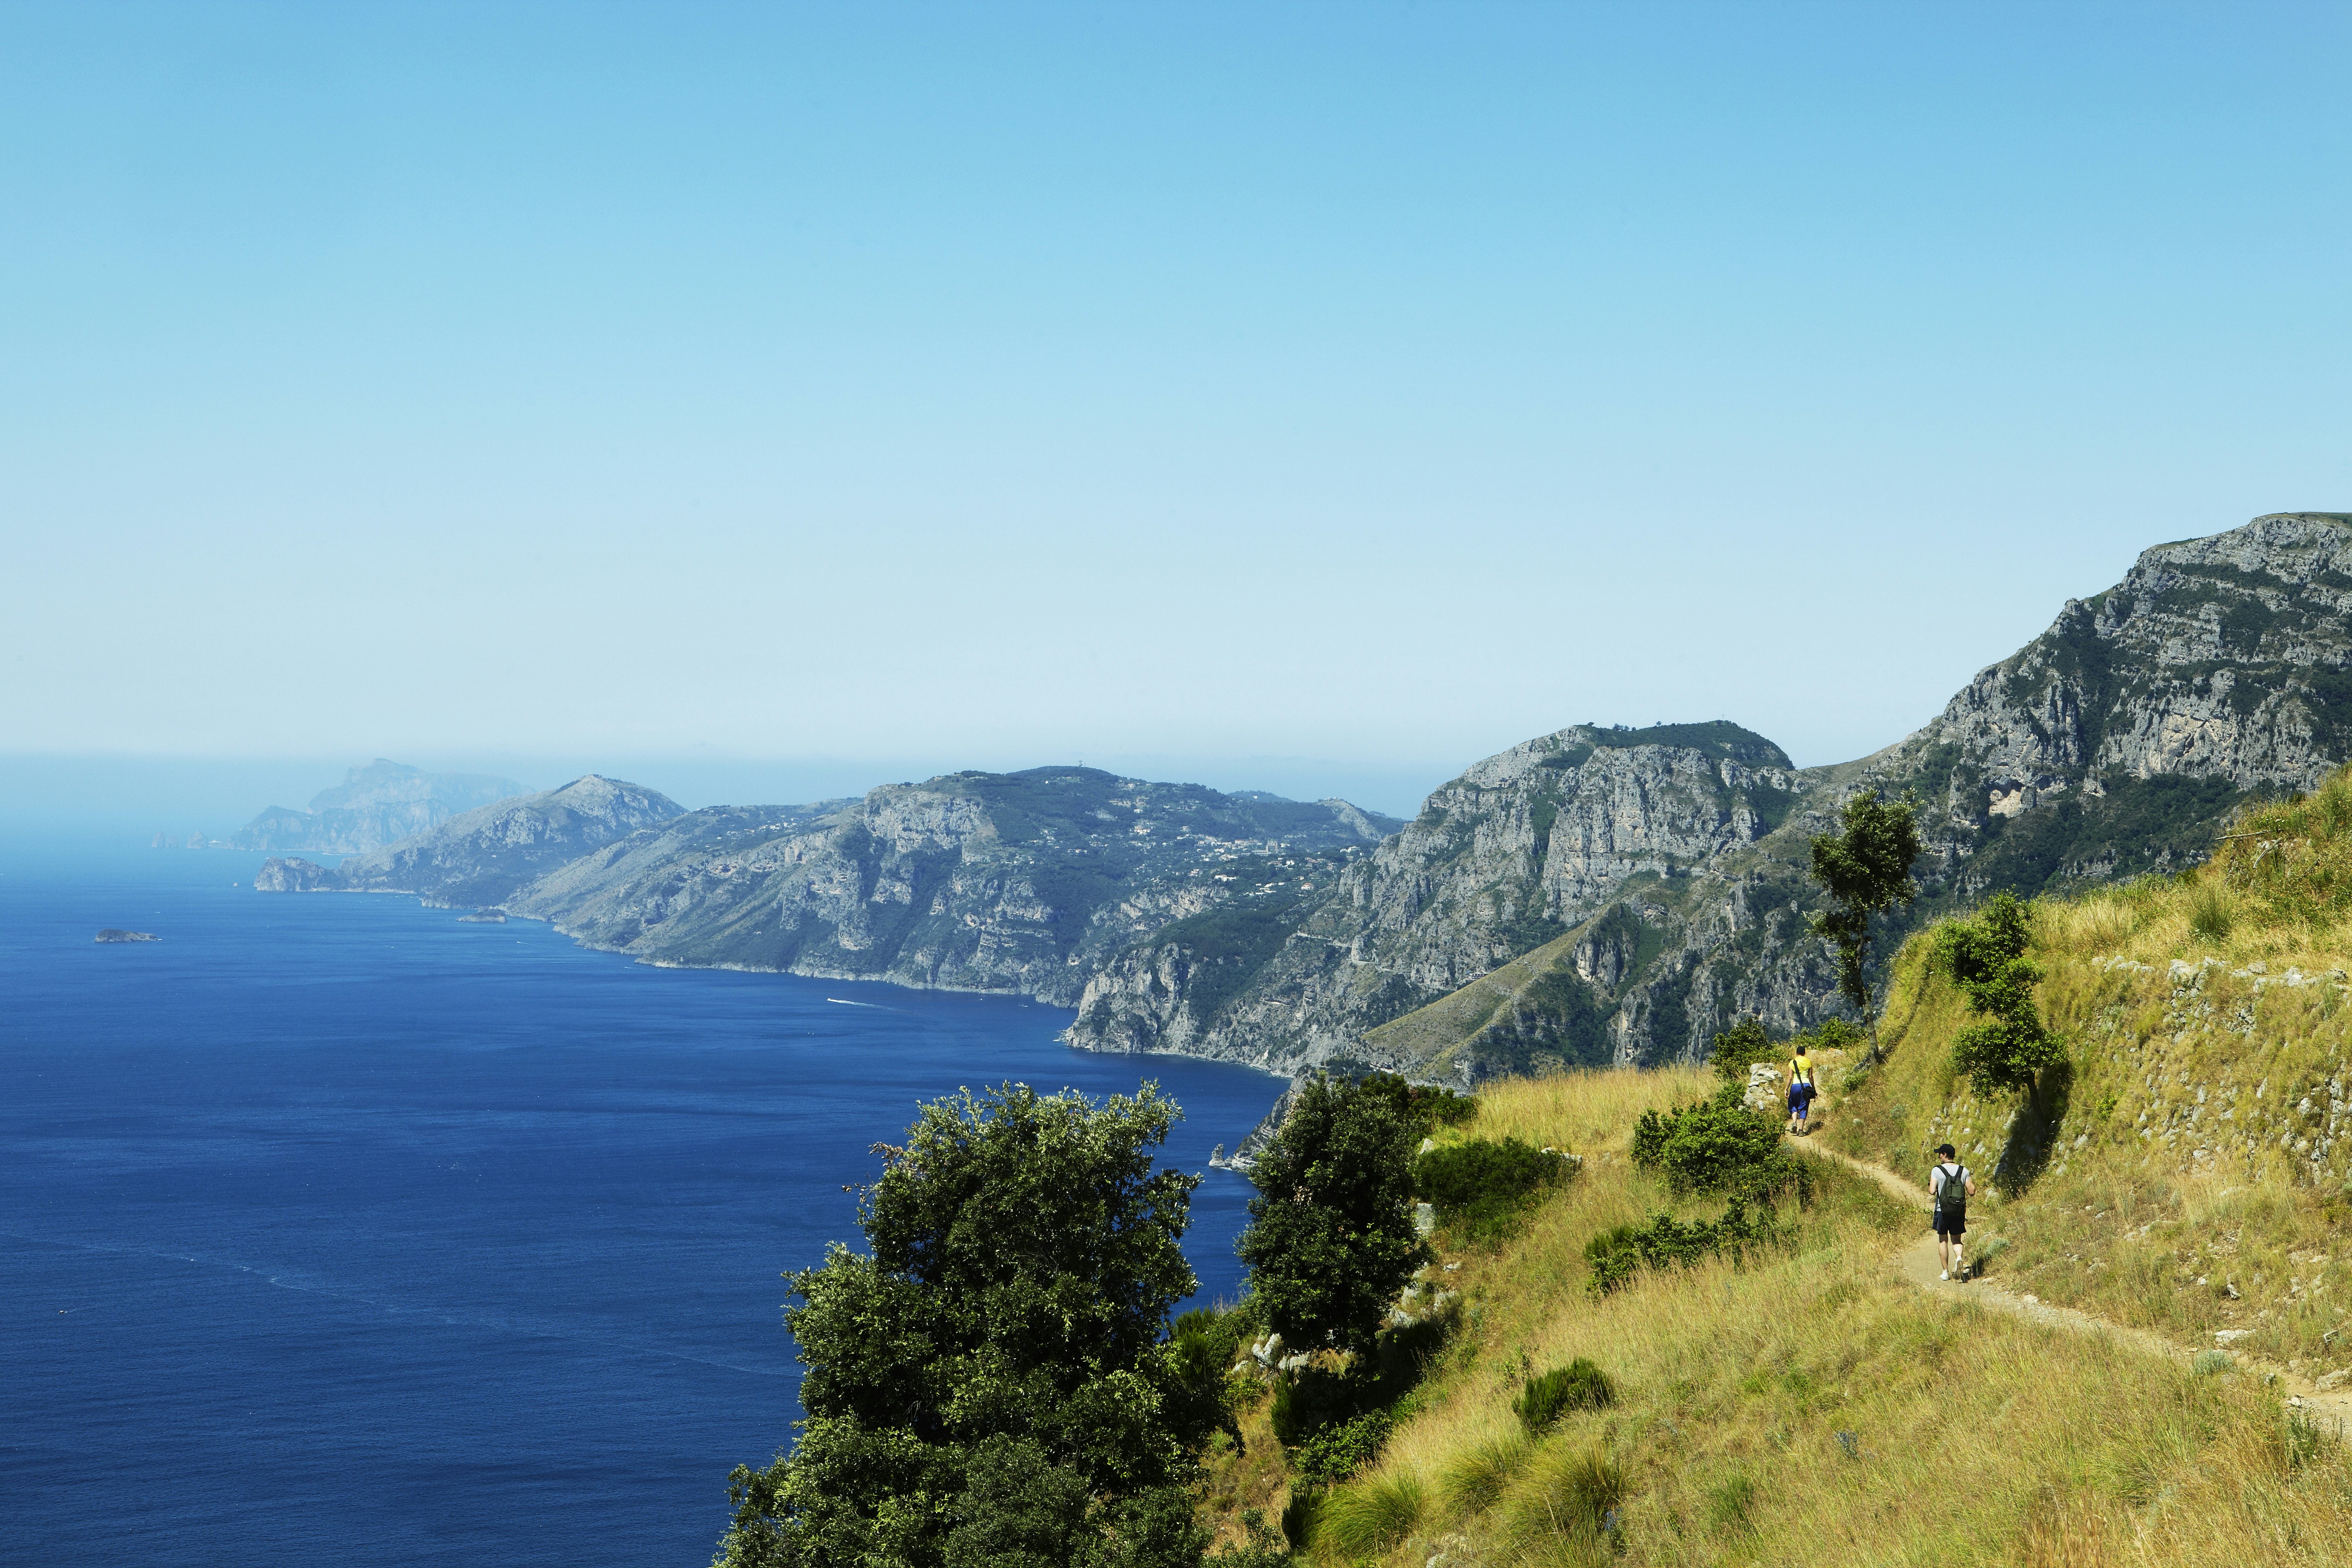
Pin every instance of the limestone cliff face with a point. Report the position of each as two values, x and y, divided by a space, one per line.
2222 657
1625 903
1517 852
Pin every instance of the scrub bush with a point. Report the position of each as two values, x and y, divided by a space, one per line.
1480 1186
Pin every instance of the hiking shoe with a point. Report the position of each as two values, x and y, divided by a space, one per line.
1946 1274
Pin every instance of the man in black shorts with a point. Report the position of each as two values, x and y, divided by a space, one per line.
1951 1187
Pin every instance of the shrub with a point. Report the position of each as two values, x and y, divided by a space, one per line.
1833 1034
1741 1046
1442 1106
1201 1391
1715 1145
2210 1363
1340 1449
1579 1386
1480 1186
1361 1520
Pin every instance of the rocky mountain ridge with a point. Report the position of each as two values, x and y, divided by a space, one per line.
2111 745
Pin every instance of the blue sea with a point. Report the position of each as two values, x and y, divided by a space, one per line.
335 1230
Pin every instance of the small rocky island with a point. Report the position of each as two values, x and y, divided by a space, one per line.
111 934
483 917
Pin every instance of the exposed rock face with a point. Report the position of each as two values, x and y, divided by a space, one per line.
1520 849
1659 891
2221 657
1016 882
375 806
485 855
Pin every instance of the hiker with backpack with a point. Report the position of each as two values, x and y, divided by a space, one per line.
1951 1187
1801 1091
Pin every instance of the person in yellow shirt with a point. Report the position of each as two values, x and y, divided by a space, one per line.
1801 1091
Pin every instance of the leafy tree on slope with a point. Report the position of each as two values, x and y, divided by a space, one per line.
1866 868
2010 1048
1331 1239
988 1388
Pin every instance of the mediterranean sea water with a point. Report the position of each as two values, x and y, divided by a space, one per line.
334 1230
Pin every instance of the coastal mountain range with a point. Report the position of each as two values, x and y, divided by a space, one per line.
1029 881
1592 896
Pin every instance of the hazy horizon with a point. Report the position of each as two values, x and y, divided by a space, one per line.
1353 390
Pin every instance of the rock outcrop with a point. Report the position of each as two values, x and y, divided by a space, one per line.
292 874
375 806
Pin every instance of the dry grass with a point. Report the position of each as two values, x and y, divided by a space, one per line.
1975 1438
2190 1176
1812 1407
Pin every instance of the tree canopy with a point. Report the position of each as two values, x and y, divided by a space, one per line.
2009 1048
1331 1239
988 1387
1866 869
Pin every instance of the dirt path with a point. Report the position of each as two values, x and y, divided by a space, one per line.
1918 1262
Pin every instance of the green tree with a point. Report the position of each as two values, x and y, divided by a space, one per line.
1866 869
1986 957
1331 1240
988 1387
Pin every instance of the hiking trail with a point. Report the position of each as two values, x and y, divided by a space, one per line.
1918 1261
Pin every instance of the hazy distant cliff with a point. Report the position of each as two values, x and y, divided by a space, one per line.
484 855
373 806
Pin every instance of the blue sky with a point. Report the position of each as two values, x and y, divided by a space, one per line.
1314 396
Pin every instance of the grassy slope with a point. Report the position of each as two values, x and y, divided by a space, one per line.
2185 1178
1978 1437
